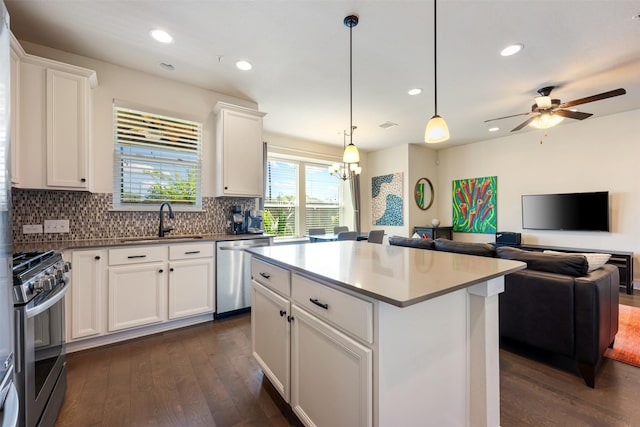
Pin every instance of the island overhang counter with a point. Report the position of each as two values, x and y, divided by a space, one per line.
410 335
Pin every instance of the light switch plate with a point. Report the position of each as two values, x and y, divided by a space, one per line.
31 228
56 225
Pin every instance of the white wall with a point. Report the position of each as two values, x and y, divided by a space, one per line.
597 154
146 91
423 164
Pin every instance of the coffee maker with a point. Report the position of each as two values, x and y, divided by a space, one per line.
253 222
236 221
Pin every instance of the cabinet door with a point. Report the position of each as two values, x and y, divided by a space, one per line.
242 153
137 295
67 130
87 284
331 374
270 336
15 123
190 287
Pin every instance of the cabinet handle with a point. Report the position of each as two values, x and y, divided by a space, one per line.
136 256
282 313
161 271
226 188
290 319
319 304
97 257
83 180
171 269
265 275
192 252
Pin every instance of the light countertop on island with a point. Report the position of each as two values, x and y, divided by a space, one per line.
396 275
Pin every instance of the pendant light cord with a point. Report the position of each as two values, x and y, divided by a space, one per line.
435 58
350 84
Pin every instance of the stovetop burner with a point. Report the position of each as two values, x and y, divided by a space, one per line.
23 261
37 273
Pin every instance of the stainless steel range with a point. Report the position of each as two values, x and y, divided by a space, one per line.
41 280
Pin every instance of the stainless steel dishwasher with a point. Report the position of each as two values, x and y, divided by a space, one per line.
233 275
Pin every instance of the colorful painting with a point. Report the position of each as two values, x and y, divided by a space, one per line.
474 205
386 194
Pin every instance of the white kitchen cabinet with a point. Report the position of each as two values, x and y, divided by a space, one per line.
305 338
331 374
53 114
239 151
15 106
270 336
86 311
137 295
191 273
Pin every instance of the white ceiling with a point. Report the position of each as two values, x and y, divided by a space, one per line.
300 53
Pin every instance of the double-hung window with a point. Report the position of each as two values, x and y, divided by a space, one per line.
157 159
300 194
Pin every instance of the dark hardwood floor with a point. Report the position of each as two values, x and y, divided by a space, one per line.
204 375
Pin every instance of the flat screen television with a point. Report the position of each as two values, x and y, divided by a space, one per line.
571 211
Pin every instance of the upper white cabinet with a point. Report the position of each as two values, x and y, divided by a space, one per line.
239 151
52 123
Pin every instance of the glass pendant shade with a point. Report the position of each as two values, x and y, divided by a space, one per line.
546 121
351 154
436 131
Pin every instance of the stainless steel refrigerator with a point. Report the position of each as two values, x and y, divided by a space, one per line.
8 396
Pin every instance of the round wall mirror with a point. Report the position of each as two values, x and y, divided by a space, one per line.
423 193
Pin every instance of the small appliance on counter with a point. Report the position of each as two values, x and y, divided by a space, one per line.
236 221
253 222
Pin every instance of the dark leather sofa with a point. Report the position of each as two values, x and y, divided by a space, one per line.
555 305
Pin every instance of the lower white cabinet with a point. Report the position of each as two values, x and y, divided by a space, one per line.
137 295
270 334
190 290
331 374
86 312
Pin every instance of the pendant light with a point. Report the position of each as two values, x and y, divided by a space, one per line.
436 130
345 170
351 154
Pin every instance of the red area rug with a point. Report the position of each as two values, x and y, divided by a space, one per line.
627 344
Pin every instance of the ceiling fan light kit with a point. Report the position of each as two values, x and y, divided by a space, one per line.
437 129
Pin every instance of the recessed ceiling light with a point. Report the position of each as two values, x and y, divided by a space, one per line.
244 65
512 49
166 66
494 129
161 36
415 91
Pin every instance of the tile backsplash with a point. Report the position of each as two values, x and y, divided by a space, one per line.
90 216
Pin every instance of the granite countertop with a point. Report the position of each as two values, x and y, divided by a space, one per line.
62 245
393 274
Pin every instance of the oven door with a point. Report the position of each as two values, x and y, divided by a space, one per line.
40 355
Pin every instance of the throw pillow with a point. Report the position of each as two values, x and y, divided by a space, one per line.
568 264
595 260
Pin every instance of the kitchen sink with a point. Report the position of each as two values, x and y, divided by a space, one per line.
160 239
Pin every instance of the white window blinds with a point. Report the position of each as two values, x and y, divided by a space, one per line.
157 159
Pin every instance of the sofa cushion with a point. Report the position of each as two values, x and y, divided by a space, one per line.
468 248
569 264
594 260
411 242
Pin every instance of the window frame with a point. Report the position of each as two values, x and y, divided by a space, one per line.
178 155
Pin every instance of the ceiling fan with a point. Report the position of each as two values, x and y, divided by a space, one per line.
548 112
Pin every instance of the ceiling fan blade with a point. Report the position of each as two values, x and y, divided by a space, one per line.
573 114
598 97
506 117
523 124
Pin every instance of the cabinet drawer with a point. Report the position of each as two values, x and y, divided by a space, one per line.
190 250
275 278
345 311
123 256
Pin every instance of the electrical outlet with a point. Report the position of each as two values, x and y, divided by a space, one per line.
56 225
31 228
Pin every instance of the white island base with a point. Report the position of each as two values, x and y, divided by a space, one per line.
438 361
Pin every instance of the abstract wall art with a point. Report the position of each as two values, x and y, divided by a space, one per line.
387 199
475 205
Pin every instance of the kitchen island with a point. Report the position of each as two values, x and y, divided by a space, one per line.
352 333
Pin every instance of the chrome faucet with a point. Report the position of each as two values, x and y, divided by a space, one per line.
164 230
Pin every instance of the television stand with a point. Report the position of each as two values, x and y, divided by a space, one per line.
622 260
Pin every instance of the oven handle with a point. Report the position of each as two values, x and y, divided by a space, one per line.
48 303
